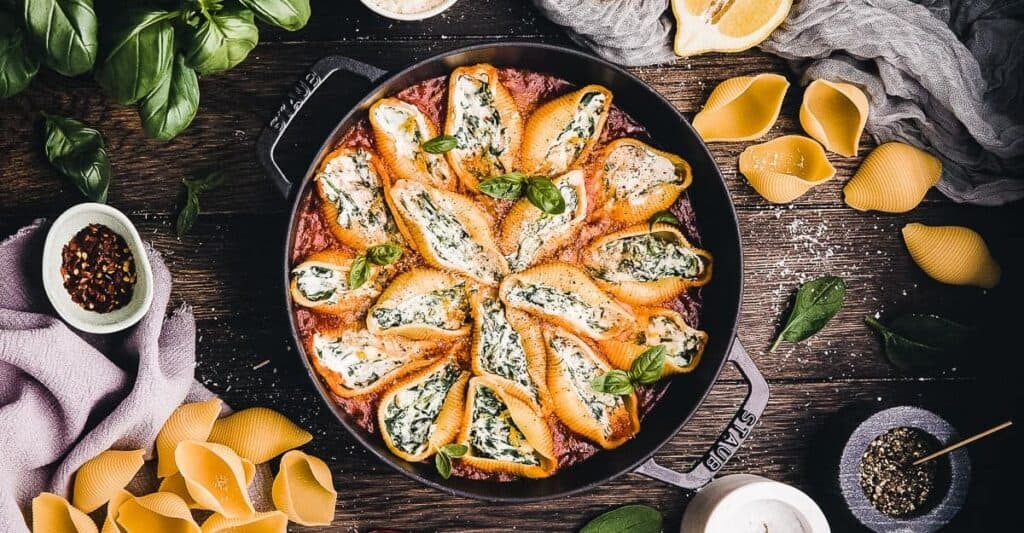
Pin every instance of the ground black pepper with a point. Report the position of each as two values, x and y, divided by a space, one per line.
98 269
889 481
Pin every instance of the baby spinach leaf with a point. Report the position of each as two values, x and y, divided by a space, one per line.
170 108
920 341
193 188
505 187
17 64
544 195
139 56
648 366
222 40
614 382
65 32
817 301
359 272
440 144
288 14
626 519
383 254
77 151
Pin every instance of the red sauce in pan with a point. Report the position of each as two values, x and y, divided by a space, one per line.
529 89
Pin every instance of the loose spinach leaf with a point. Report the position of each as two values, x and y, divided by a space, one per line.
77 151
383 254
170 108
505 187
614 382
817 301
648 366
17 64
288 14
919 341
626 519
65 33
440 144
139 56
544 195
663 217
359 272
222 40
193 188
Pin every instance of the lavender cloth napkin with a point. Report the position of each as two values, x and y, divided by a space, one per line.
66 396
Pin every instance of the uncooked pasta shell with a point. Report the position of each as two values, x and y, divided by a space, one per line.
304 490
267 522
550 120
783 169
349 300
215 477
258 434
53 514
190 421
419 165
175 484
101 477
642 200
893 178
520 225
356 235
110 521
406 352
742 108
623 351
952 254
416 283
834 114
159 511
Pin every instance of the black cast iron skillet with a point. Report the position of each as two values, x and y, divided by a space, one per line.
718 229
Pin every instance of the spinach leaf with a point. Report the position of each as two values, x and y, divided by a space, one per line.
626 519
817 301
77 151
139 56
614 382
383 254
505 187
443 458
544 195
170 108
647 367
288 14
359 272
193 188
918 341
222 40
663 217
440 144
65 32
17 65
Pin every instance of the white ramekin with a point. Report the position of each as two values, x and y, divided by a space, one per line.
408 16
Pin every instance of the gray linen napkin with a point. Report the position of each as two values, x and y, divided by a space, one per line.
943 75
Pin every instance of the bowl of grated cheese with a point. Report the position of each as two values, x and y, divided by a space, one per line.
408 9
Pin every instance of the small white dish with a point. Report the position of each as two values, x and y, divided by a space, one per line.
61 232
372 5
742 503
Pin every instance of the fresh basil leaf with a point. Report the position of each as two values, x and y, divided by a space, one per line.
188 214
505 187
170 108
919 341
440 144
544 195
207 183
648 366
140 55
663 217
77 151
443 463
65 32
17 64
222 40
359 272
455 450
628 518
614 382
383 254
817 301
288 14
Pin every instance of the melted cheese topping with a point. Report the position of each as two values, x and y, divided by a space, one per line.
680 344
570 142
554 301
410 415
647 257
350 183
492 432
501 347
631 171
479 130
581 369
406 125
445 308
357 358
536 233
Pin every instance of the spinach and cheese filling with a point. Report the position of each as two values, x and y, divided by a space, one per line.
501 350
320 284
479 130
631 172
411 413
356 357
648 256
581 369
681 345
350 183
554 301
569 143
407 127
445 308
493 433
536 233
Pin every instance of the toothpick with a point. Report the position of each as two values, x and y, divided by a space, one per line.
963 443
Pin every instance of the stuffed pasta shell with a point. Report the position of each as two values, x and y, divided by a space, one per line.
400 129
507 345
636 181
561 133
422 303
352 185
321 282
353 361
683 344
529 235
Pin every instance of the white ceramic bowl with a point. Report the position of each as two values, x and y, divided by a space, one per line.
63 229
740 503
420 15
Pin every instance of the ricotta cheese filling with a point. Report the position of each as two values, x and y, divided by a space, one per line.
410 415
320 284
442 308
351 185
545 227
680 344
501 347
356 358
581 369
406 127
492 432
648 257
479 130
631 172
570 142
553 301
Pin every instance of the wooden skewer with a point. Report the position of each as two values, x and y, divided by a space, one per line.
963 443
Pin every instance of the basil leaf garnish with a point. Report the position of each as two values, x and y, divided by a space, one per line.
505 187
817 301
648 366
17 64
455 450
77 151
290 15
359 272
443 458
614 382
440 144
170 108
193 188
65 32
221 40
140 56
632 518
920 341
544 195
383 254
663 217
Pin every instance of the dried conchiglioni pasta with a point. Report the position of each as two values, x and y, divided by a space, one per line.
742 108
834 114
102 476
53 514
304 490
952 254
258 434
190 421
175 484
781 170
215 477
268 522
110 522
893 178
159 511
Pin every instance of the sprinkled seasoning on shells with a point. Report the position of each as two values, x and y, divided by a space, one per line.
742 108
893 178
834 114
783 169
952 254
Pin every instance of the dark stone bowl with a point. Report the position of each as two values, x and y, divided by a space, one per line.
950 491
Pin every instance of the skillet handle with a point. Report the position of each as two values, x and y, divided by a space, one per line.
300 94
730 440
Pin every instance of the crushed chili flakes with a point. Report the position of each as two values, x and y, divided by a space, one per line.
891 483
98 269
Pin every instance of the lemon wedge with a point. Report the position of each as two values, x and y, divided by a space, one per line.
725 25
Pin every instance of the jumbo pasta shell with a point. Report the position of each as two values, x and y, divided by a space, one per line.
646 264
215 477
422 304
399 131
742 108
529 235
563 294
159 511
893 178
489 131
258 434
101 477
352 185
110 521
321 282
353 361
783 169
834 114
952 254
304 490
561 133
267 522
658 326
53 514
190 421
636 180
175 484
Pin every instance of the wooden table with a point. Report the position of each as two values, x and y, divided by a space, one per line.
228 270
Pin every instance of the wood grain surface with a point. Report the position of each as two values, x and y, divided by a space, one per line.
228 270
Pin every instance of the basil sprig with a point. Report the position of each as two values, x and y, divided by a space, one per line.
78 152
921 341
193 188
18 65
632 518
663 217
817 301
645 369
443 458
539 190
380 254
440 144
66 33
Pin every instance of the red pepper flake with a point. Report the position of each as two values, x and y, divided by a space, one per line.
98 269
